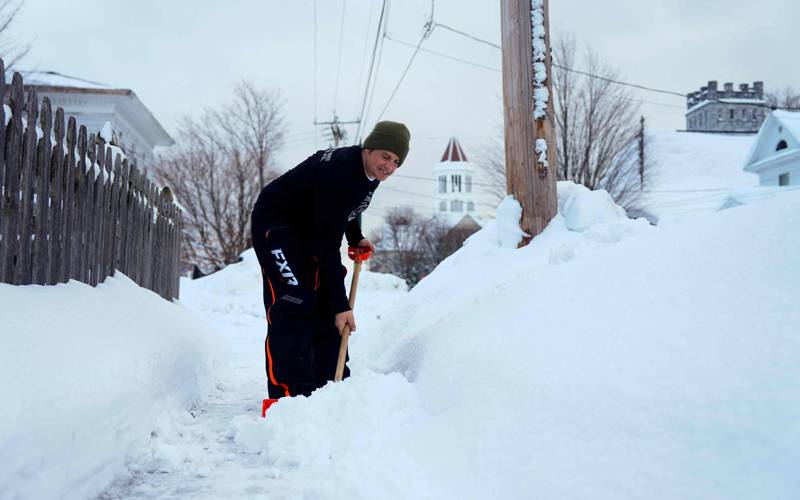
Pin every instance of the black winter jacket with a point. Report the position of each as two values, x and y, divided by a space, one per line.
321 200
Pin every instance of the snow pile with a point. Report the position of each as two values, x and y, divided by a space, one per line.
621 361
583 208
87 375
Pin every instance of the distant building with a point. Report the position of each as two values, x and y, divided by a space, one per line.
775 156
92 104
454 194
727 110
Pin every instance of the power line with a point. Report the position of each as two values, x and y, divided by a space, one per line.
426 32
428 179
496 70
314 59
341 44
462 33
370 73
428 196
364 52
585 73
446 56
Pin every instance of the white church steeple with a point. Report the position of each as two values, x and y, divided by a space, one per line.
454 192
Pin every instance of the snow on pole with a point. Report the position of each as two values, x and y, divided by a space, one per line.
541 94
541 150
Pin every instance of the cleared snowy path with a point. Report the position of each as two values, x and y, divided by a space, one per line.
196 456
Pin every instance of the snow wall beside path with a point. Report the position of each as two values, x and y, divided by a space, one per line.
86 374
619 361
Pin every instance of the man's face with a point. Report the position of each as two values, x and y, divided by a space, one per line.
380 163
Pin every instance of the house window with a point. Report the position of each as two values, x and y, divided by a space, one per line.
755 115
455 183
442 183
468 184
783 179
456 206
731 113
443 206
744 114
781 145
470 206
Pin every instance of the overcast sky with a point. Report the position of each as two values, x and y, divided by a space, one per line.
180 56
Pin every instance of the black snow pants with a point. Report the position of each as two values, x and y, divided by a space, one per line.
302 344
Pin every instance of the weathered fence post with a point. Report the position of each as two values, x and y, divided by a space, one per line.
14 143
3 179
41 249
55 259
72 209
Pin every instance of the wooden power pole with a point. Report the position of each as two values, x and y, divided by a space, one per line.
528 100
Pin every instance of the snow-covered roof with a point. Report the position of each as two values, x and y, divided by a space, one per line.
694 172
779 126
727 100
56 79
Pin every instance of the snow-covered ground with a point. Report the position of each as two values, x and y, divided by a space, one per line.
608 359
694 173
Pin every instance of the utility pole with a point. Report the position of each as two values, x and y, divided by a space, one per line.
339 134
529 125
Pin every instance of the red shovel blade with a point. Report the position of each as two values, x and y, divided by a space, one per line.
265 406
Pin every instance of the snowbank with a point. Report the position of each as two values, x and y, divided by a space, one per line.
618 361
87 374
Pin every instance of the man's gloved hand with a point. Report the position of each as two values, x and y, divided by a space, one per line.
345 318
367 244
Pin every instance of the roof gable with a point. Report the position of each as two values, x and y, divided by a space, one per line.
780 128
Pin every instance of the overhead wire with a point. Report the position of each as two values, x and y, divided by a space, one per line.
372 70
314 63
364 52
426 33
339 67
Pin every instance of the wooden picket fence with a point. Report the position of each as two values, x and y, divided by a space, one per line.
72 210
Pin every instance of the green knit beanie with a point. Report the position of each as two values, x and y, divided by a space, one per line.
391 136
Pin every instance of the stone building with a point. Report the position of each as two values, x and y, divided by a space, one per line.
726 110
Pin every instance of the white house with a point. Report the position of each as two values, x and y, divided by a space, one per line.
454 194
775 155
92 104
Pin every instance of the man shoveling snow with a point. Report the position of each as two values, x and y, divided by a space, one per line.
298 223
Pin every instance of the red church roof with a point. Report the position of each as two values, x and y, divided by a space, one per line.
454 151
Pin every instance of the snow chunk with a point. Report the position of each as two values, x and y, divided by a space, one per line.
509 212
106 133
585 208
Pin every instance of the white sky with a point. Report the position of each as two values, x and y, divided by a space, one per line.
180 56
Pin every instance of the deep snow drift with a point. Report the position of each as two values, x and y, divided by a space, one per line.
608 359
87 374
622 361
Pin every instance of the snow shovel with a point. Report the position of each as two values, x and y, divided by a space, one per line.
357 255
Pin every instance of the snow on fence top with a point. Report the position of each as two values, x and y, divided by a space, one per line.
93 212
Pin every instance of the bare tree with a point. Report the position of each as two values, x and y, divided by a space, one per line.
786 98
216 169
598 130
11 49
410 245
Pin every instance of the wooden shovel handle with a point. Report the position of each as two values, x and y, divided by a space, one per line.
346 330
